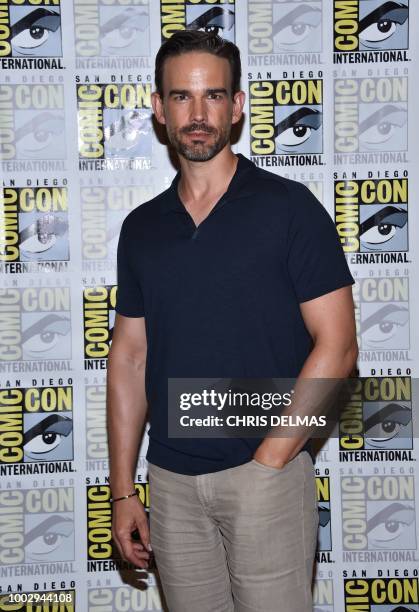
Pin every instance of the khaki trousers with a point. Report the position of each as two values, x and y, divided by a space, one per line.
237 540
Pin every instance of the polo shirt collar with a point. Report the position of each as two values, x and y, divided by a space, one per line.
239 186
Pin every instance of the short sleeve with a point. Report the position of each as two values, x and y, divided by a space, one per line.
315 258
129 297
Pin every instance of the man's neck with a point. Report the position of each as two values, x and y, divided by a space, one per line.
205 181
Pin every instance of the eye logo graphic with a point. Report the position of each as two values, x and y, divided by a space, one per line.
30 31
371 215
39 424
388 425
286 117
378 415
378 513
37 224
102 30
324 533
298 131
202 15
42 529
45 434
381 594
41 324
384 314
34 115
371 114
370 25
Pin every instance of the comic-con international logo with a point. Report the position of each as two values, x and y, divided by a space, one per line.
371 120
114 126
117 32
370 31
37 526
371 217
381 594
286 122
30 30
324 533
103 208
378 514
122 598
98 322
382 318
38 325
102 552
33 229
36 424
216 16
32 135
376 422
282 32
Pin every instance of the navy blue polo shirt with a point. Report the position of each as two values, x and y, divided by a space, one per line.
222 300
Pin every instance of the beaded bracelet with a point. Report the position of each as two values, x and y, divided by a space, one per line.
123 497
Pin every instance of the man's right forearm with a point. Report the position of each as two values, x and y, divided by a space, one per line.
126 416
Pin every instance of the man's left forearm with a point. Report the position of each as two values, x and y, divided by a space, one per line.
322 363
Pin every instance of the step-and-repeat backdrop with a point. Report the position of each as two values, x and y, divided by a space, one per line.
332 93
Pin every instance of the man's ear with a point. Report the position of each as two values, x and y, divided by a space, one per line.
157 105
238 103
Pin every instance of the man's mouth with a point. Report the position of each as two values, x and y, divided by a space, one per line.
199 133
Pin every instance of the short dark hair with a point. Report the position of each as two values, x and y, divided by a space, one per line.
185 41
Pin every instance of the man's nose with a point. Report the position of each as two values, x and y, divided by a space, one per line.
198 109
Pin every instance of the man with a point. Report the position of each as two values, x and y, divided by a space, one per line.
231 272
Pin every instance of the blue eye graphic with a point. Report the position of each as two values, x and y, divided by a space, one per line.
44 437
33 31
388 424
217 20
295 133
295 30
390 525
383 227
385 27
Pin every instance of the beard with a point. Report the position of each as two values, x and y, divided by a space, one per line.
199 150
